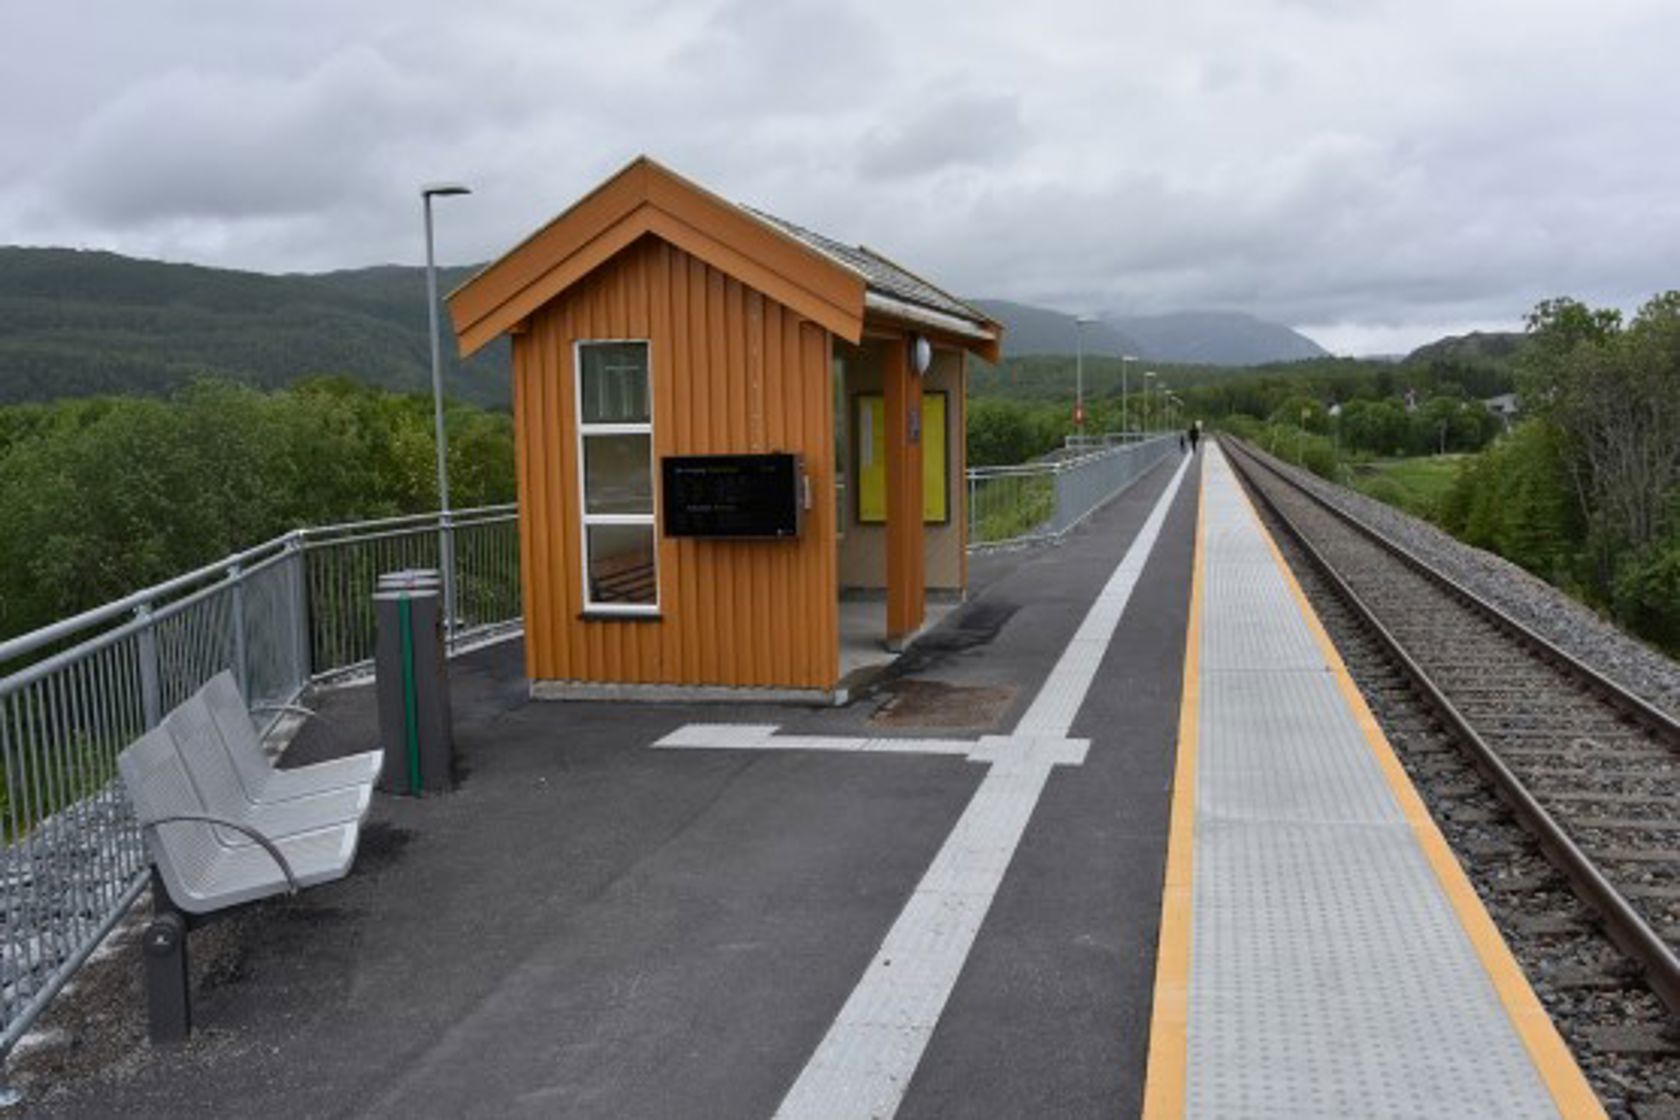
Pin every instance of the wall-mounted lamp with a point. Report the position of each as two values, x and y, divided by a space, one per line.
921 354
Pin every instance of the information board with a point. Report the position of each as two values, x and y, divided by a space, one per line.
732 495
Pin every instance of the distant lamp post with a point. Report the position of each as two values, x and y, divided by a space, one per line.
1125 405
1079 371
446 533
1148 414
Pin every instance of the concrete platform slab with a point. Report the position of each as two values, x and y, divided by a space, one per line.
593 927
1321 954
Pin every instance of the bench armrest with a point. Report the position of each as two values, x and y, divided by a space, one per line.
295 709
266 844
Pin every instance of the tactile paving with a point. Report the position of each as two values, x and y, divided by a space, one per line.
1330 976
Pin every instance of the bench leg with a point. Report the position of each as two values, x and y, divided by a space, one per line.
168 1000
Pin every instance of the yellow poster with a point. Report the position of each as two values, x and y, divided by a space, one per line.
934 485
872 459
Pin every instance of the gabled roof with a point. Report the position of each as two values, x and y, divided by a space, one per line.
832 284
882 276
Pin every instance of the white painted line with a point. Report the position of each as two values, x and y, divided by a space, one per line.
864 1063
1064 691
763 737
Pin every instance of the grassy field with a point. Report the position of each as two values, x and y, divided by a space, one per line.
1415 485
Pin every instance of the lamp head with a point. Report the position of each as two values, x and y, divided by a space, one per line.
921 355
429 190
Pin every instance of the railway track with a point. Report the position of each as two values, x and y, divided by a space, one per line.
1590 771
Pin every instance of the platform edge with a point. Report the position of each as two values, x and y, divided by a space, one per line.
1169 1019
1552 1058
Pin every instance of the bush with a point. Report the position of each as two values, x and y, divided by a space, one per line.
1387 491
1646 594
1514 499
1316 453
1003 433
103 495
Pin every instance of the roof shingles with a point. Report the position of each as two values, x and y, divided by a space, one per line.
880 274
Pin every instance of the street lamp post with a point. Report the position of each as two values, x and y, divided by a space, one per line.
446 530
1125 405
1148 380
1079 371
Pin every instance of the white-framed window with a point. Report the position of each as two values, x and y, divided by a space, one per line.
615 477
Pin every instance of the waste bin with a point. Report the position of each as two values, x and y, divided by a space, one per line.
411 676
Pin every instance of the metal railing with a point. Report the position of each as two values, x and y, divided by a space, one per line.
282 615
1042 501
1105 439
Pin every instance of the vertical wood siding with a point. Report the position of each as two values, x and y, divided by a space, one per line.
732 372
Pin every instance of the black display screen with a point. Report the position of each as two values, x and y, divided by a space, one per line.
731 495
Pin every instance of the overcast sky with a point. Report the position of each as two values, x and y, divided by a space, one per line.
1374 173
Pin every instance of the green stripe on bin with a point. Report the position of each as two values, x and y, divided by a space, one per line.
411 713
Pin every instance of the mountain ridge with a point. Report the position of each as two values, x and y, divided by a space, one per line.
1227 338
78 322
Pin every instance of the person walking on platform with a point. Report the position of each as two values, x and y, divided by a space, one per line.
1194 433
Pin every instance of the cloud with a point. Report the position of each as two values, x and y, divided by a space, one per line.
959 132
1360 166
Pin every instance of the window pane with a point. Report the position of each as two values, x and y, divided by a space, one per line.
615 382
618 474
621 564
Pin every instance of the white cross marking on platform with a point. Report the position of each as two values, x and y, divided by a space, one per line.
864 1063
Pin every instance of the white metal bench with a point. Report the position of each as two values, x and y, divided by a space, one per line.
261 780
213 847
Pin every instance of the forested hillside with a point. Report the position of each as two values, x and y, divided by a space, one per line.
104 495
1583 491
78 323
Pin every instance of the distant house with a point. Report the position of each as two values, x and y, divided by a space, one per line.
1505 406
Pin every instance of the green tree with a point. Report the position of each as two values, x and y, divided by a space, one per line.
102 495
1380 427
1006 432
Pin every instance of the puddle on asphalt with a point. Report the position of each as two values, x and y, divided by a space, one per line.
921 703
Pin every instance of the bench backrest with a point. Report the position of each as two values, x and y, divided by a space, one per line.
159 786
208 764
239 736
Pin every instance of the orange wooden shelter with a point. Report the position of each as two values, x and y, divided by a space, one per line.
681 366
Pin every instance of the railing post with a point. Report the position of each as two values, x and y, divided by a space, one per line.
973 514
241 659
446 556
299 592
1058 486
145 644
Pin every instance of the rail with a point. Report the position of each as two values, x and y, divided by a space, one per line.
283 615
1043 501
1622 921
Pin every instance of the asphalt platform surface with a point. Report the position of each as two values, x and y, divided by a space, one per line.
590 928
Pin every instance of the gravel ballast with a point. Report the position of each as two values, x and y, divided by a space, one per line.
1533 602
